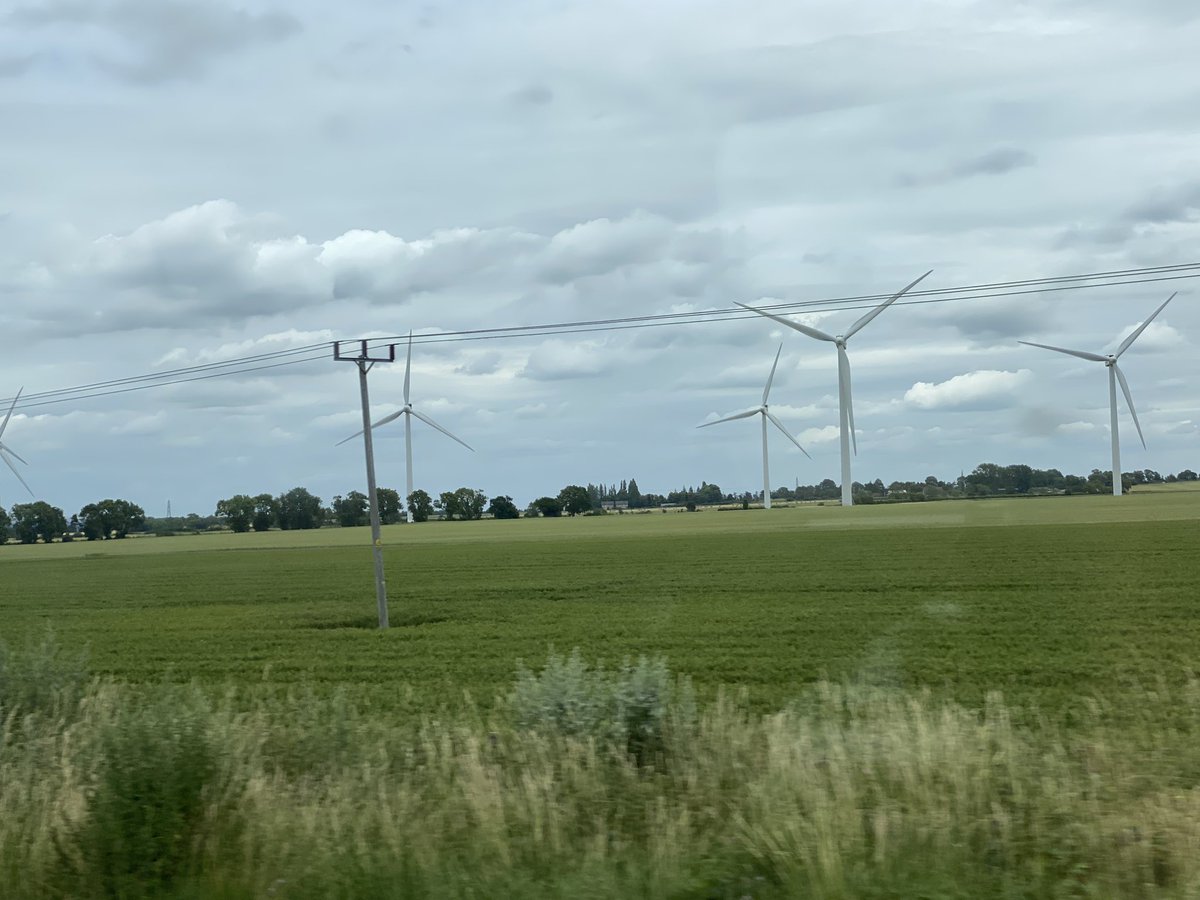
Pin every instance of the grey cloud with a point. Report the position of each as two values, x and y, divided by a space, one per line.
1160 207
169 39
998 161
13 66
215 262
1163 206
994 162
533 95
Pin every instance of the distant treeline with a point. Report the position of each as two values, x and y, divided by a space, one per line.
298 509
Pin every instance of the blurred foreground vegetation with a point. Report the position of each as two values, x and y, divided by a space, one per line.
581 781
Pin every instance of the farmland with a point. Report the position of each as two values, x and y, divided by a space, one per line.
1043 599
940 699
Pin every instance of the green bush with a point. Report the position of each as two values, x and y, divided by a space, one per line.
632 707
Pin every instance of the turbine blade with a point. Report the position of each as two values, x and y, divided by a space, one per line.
1133 337
787 433
1129 400
742 415
432 424
11 452
10 412
391 417
408 369
861 323
7 462
803 329
771 377
1082 354
847 392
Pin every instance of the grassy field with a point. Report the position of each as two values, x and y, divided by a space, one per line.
954 699
1044 599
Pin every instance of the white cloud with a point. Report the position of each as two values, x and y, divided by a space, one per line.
983 389
1157 336
1077 427
557 360
825 435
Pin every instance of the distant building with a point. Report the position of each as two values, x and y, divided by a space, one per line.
614 504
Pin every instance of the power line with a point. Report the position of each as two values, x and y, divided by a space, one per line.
320 351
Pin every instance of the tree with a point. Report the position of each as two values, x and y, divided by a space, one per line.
575 500
237 511
420 506
351 510
503 508
464 503
110 519
265 511
389 505
550 507
470 502
1186 475
299 510
447 504
635 496
5 525
38 519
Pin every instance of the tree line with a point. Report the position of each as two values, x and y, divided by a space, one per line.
298 509
103 520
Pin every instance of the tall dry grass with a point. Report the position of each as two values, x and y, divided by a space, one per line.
174 791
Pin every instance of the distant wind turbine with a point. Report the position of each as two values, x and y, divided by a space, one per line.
408 412
1114 375
766 413
6 452
845 401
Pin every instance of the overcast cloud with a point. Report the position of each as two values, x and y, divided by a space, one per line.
189 182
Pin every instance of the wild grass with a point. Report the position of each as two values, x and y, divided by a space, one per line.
851 791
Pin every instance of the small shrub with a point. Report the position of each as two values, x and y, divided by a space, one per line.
632 707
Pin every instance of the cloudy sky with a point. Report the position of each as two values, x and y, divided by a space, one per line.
191 181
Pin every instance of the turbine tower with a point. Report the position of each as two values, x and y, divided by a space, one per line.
408 413
766 413
845 401
6 452
1114 375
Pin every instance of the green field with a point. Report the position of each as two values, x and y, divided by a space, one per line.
952 699
1043 599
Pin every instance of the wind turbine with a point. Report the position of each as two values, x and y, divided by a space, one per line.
845 401
408 412
1114 375
6 451
766 413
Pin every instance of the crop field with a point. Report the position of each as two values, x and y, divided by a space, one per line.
953 699
1043 599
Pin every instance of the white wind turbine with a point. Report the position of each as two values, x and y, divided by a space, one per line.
766 413
6 451
1114 375
845 401
408 412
